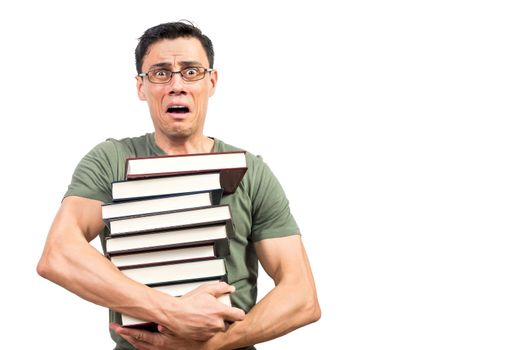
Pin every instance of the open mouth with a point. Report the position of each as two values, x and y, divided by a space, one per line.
178 109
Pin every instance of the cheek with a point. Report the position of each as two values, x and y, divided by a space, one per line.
202 96
154 98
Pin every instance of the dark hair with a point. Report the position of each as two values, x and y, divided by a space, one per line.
171 30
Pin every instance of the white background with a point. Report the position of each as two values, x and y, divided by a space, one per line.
395 128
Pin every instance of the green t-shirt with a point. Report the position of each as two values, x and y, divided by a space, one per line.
259 208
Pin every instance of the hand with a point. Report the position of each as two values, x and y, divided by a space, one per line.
198 315
163 340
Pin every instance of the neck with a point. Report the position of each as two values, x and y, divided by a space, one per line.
184 145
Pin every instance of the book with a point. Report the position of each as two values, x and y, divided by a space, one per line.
166 239
174 290
170 220
156 187
140 167
177 272
230 165
167 203
219 248
168 164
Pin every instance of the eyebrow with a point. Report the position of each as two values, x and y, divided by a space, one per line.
160 65
190 64
181 64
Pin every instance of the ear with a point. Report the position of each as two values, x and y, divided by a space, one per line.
213 82
140 88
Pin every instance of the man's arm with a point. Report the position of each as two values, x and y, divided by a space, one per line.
70 261
291 304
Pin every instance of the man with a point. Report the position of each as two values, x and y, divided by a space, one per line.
176 78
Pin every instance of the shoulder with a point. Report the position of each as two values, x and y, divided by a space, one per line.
129 146
253 160
109 156
113 149
258 177
269 207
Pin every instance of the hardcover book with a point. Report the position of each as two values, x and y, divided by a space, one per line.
177 272
167 239
230 165
162 186
170 220
160 204
219 248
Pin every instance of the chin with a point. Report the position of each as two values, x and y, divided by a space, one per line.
180 134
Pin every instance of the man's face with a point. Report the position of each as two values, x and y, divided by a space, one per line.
178 108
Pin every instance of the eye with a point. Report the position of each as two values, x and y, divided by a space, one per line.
191 72
160 73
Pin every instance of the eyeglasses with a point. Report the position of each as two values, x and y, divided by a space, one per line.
164 76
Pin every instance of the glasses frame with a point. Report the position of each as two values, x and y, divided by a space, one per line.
206 70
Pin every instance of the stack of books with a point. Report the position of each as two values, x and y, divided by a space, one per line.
167 227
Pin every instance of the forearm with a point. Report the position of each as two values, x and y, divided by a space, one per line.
284 309
88 274
71 262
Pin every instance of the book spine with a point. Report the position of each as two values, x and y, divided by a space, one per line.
221 248
216 196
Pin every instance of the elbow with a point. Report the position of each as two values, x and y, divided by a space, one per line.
314 312
47 266
43 268
311 310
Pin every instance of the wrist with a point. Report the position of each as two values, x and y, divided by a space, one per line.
162 306
215 342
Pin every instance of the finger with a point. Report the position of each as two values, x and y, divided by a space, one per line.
165 330
139 344
130 340
137 339
136 334
217 289
114 326
119 330
233 314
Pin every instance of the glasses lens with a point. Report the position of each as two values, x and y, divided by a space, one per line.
159 75
193 73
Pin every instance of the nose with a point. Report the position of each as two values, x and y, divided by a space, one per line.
176 84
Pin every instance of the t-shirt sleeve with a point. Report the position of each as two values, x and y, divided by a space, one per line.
271 213
95 172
